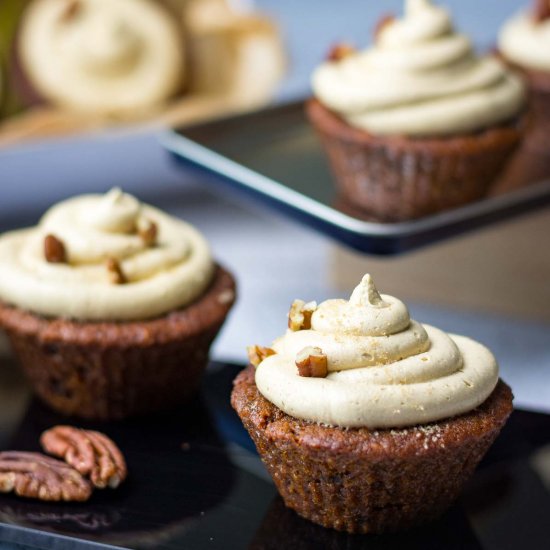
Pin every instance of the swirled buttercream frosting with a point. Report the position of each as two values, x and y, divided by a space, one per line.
162 262
420 78
526 41
385 370
102 55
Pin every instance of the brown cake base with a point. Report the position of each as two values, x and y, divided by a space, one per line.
538 84
396 178
528 165
110 370
531 162
364 481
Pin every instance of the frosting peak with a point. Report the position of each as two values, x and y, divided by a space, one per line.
366 294
420 78
164 262
116 212
385 370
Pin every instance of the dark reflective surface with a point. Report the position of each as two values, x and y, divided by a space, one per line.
196 483
451 532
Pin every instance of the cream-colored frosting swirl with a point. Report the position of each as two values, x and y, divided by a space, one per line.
526 42
420 78
384 369
93 228
102 55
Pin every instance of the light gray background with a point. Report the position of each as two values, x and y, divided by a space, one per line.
274 260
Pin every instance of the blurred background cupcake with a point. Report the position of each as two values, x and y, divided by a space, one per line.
81 64
524 43
111 306
418 123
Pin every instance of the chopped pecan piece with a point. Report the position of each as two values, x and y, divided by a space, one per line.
541 11
383 22
340 51
256 354
35 475
114 269
91 453
311 361
148 231
299 316
54 250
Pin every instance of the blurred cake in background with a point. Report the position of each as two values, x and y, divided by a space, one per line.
524 42
116 58
247 49
83 64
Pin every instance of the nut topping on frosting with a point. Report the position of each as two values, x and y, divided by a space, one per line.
256 354
100 235
116 275
311 361
340 51
383 369
54 250
383 22
299 316
148 231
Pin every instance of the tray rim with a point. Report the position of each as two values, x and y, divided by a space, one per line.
346 228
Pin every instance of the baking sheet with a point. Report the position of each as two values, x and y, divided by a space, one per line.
274 156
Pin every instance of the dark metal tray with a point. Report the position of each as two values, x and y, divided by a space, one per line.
196 482
274 155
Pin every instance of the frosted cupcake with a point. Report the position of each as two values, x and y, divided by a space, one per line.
111 305
418 123
524 43
367 420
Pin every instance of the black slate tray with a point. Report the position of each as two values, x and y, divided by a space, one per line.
195 482
274 156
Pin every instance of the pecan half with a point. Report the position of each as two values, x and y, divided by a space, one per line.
148 231
35 475
256 354
340 51
383 22
114 269
541 11
54 250
91 453
311 361
299 316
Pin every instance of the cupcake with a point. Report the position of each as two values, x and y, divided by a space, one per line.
417 123
111 306
369 421
524 43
